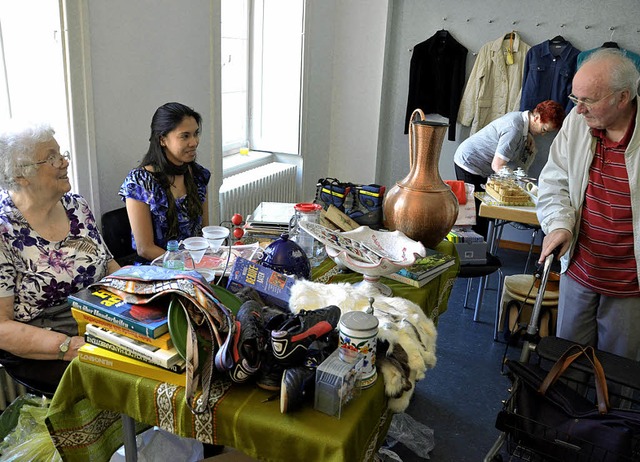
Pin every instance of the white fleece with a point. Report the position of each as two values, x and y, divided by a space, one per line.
402 323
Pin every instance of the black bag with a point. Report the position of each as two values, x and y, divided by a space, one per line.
555 420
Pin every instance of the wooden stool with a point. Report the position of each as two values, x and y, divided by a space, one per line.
521 288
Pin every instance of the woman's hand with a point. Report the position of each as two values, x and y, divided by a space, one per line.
76 342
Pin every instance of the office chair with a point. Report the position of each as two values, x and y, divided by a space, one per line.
116 231
40 377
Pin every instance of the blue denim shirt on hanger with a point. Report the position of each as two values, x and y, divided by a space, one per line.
547 76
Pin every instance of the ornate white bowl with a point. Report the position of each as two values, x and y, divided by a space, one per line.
394 250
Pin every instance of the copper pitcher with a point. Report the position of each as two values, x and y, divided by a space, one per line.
422 205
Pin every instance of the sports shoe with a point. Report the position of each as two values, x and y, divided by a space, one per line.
330 191
298 383
291 341
366 206
269 376
248 343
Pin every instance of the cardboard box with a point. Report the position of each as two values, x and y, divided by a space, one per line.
272 286
472 253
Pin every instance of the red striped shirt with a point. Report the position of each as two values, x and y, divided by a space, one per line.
604 259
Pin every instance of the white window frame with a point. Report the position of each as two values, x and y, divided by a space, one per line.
281 106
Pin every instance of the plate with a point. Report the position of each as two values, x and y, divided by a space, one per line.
178 322
328 237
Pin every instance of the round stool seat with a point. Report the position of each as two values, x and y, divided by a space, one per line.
520 286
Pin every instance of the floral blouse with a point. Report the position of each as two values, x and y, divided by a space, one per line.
41 274
141 185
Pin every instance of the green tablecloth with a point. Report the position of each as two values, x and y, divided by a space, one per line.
432 297
85 425
84 418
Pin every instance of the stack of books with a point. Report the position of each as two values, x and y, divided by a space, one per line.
126 337
424 269
269 220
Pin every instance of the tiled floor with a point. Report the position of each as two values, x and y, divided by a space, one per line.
460 398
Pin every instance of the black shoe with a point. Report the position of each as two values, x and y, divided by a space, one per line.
298 383
269 377
249 342
291 341
274 317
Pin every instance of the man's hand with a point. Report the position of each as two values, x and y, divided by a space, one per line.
559 239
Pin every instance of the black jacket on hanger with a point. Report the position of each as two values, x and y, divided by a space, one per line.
437 78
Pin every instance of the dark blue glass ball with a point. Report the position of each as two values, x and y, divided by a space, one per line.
286 257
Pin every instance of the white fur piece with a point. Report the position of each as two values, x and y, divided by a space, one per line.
401 322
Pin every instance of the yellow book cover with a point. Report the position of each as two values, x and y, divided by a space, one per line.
92 354
83 318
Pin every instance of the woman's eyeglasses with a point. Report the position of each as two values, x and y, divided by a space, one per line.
55 160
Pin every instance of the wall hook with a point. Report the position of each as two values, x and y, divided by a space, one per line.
514 23
562 25
490 21
613 30
537 24
468 19
587 26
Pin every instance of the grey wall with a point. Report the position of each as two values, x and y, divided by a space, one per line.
585 23
129 57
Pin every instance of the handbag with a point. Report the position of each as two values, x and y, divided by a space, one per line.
556 420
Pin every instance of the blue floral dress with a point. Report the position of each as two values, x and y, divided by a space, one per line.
40 274
141 185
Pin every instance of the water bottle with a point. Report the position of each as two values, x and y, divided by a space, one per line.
173 257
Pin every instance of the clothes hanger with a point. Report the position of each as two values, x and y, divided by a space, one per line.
611 43
558 40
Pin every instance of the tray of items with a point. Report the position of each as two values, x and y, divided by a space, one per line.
508 191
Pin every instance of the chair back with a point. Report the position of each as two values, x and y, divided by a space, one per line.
116 231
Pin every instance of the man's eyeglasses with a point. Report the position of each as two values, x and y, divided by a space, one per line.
55 160
586 102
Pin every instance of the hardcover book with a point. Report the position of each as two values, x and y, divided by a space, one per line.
414 282
434 263
98 356
149 320
273 287
83 318
135 349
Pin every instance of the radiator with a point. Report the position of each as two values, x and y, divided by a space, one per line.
242 193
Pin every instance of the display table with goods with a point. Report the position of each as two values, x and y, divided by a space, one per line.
95 408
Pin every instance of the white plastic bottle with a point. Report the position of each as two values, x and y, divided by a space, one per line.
173 257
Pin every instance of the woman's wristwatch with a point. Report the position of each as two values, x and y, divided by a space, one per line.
64 347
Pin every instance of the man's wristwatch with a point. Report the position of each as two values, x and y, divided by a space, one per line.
64 347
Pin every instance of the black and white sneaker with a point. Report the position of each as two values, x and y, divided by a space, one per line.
291 341
248 343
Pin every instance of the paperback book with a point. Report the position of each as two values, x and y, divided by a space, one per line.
424 269
102 357
133 348
149 320
83 318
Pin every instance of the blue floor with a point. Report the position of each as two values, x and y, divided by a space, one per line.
460 398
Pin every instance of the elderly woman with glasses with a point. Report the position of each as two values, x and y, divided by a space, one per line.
50 247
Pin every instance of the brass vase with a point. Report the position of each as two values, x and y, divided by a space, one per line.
422 206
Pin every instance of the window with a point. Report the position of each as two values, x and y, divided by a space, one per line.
32 80
261 74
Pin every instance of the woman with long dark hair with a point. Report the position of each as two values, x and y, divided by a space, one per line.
165 195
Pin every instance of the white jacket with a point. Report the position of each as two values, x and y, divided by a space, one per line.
493 88
564 178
